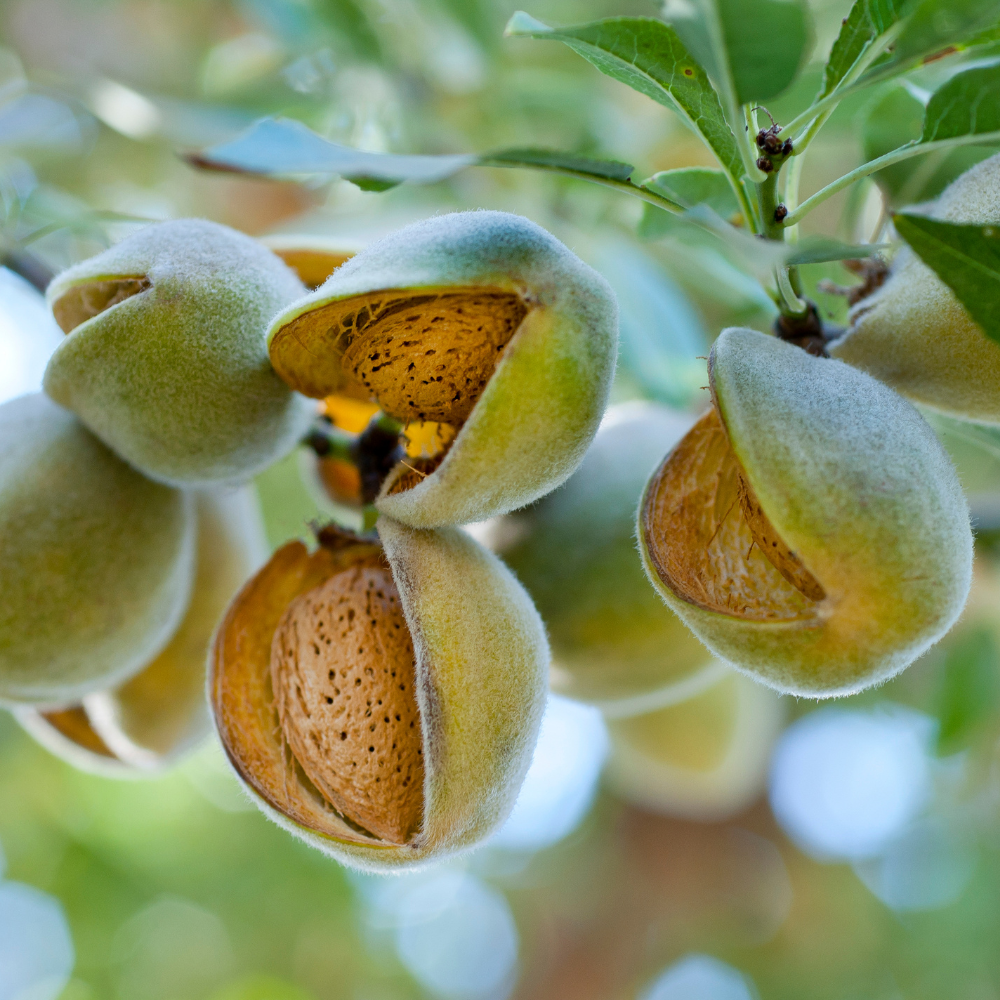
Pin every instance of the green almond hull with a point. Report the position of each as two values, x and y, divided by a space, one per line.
96 561
482 673
176 379
538 413
914 334
614 644
855 482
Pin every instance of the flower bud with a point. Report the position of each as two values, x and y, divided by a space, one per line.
480 321
165 358
704 759
96 561
381 699
914 334
810 529
614 643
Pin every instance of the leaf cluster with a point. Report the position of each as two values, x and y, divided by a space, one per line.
712 62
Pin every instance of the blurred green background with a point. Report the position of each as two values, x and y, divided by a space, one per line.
871 870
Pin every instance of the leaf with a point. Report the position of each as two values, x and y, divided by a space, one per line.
819 249
931 28
867 21
690 186
544 159
969 688
282 147
968 104
649 56
689 18
687 186
895 119
766 42
966 258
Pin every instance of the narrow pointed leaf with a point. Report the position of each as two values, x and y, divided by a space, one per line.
648 55
895 119
866 23
933 28
565 163
687 187
282 147
820 249
966 258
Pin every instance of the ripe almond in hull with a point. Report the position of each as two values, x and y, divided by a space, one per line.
344 678
810 528
310 647
480 322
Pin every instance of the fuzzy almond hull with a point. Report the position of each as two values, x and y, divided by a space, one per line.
914 334
481 673
541 405
849 485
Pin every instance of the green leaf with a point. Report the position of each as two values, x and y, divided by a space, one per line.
282 147
968 104
819 249
969 688
895 119
867 21
649 56
687 187
966 258
565 163
931 28
690 186
766 42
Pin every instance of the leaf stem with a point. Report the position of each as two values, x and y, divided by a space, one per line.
821 110
747 147
790 199
789 303
873 166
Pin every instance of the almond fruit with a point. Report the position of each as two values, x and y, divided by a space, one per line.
478 321
165 358
810 529
381 698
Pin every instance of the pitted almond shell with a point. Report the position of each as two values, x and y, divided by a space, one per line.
809 529
914 334
479 659
704 759
479 320
614 643
343 674
96 561
165 357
